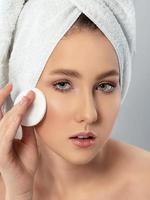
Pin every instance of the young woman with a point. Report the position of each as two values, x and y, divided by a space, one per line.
82 88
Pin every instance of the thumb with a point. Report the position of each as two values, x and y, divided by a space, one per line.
28 136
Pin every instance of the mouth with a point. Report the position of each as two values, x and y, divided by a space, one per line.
83 135
83 139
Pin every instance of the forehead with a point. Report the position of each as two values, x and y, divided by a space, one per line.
86 50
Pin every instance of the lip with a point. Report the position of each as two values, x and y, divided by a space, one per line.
84 134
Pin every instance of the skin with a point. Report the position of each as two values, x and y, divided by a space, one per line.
81 108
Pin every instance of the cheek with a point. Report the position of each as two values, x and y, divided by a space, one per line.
108 116
111 116
110 109
58 113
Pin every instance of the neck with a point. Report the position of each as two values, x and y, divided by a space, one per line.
61 176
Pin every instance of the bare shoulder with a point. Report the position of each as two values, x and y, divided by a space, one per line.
134 154
2 189
135 165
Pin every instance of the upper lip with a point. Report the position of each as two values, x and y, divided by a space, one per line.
84 134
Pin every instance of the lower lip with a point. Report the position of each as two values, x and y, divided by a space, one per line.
83 142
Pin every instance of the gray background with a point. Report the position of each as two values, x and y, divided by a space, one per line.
133 123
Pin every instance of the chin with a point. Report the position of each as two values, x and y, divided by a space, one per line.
80 158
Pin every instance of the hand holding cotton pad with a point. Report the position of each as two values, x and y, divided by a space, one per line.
36 111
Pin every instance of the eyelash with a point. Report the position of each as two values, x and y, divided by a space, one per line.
112 84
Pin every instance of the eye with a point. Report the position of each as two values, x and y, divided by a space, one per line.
61 86
64 86
107 87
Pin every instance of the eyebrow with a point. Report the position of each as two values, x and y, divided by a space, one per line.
75 74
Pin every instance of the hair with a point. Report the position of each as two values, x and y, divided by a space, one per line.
83 22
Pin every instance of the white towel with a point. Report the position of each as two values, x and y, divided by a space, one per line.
30 32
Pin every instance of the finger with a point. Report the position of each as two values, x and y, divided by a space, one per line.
4 92
12 119
1 114
21 107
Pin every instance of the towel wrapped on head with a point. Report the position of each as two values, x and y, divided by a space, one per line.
30 30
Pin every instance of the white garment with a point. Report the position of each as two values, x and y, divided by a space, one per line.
26 46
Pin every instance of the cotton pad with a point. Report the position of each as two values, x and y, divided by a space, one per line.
37 109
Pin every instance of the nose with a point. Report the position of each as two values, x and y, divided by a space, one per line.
87 109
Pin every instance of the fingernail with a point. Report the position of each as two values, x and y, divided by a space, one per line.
23 101
30 94
9 86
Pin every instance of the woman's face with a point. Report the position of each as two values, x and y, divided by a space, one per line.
77 100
